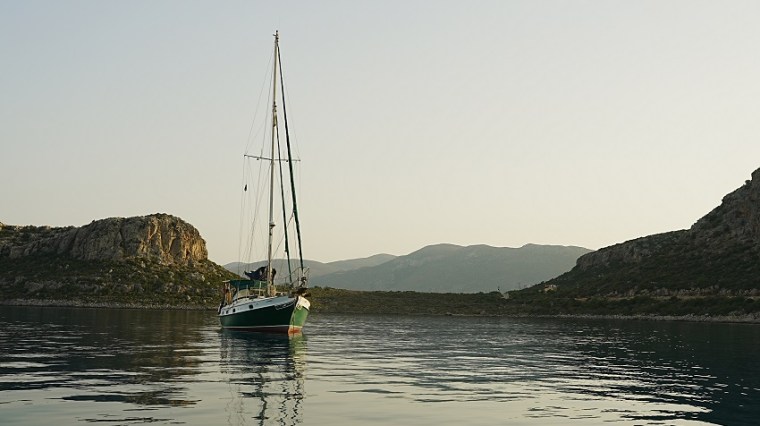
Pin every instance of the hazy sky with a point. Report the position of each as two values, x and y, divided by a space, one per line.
500 122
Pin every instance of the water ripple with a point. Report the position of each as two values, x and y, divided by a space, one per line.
130 367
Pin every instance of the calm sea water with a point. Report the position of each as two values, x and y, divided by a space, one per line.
123 367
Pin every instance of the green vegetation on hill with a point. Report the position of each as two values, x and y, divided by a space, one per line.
711 269
151 260
678 270
134 281
702 306
533 303
332 300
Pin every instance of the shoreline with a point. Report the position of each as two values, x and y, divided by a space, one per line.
44 303
736 319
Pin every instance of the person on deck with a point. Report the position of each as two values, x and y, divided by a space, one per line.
260 274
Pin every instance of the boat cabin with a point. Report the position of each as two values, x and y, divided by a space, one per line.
238 289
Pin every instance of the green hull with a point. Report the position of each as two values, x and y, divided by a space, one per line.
275 315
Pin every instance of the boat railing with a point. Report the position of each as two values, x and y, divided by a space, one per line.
296 278
301 278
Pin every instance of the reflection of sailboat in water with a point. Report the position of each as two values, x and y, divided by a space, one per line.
265 376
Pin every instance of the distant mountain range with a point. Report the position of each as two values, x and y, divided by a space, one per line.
443 268
316 269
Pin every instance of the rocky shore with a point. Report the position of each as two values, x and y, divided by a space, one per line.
746 318
100 305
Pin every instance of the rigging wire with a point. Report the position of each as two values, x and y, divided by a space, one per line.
246 170
290 164
250 215
266 83
253 197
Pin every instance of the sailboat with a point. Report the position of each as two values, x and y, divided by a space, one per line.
259 303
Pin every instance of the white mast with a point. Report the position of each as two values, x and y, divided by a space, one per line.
270 275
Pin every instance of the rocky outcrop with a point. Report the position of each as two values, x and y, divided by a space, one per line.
737 219
718 256
161 238
630 252
733 226
155 260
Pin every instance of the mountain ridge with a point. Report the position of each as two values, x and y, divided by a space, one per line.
496 268
316 268
718 255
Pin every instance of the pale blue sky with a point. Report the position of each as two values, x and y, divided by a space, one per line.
418 122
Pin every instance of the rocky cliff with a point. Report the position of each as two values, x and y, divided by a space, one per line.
736 220
148 260
719 254
159 237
